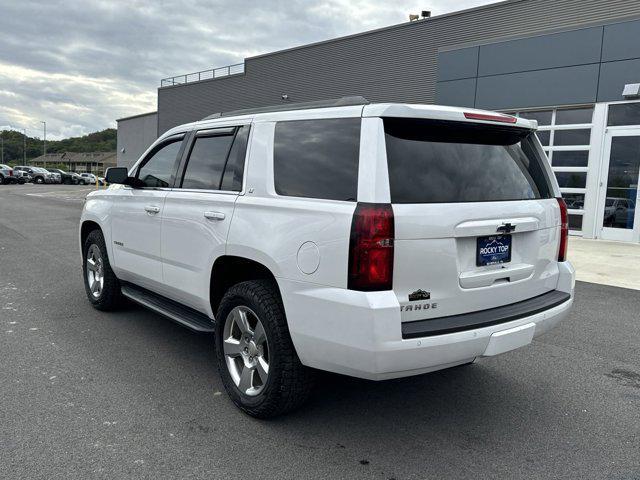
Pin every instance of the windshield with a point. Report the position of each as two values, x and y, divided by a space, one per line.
433 161
39 170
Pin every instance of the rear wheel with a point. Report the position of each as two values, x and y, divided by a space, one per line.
39 180
258 364
100 283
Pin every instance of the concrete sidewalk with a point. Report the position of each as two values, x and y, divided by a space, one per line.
609 263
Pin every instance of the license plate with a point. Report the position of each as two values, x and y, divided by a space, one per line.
493 250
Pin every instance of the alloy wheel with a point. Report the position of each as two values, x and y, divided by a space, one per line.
95 271
246 350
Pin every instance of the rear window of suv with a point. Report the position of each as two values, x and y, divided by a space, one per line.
433 161
317 158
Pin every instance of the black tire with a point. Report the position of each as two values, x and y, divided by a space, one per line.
289 383
2 180
110 297
39 180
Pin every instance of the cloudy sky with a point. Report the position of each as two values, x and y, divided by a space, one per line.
80 64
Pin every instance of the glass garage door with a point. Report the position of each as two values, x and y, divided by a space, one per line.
565 134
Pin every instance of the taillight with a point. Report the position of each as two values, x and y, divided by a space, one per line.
11 173
490 117
564 230
371 247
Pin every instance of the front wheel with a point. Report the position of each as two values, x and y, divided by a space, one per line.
100 283
257 362
39 180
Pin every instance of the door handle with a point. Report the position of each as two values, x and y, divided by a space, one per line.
152 209
214 215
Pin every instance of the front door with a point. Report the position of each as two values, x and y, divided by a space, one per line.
617 213
137 217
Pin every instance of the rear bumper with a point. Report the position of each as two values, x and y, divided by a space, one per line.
360 334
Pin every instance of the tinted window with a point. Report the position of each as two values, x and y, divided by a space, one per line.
544 136
542 116
206 162
575 222
572 179
574 200
232 179
159 170
317 158
574 115
570 159
572 137
447 162
624 114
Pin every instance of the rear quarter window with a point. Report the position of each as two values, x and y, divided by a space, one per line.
317 158
450 162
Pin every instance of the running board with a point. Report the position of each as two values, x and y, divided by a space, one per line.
185 316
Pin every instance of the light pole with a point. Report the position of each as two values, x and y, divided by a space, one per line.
44 143
24 146
2 146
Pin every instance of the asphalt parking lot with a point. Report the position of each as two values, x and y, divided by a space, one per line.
86 394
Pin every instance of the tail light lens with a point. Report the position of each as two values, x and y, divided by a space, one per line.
564 230
371 248
11 173
490 118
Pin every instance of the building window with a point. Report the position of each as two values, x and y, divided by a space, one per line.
624 114
565 134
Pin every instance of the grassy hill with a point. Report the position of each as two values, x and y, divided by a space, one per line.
103 141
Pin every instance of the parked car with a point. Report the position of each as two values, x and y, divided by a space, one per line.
38 174
23 177
101 181
372 240
67 178
88 178
7 175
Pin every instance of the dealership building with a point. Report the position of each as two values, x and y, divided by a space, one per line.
572 65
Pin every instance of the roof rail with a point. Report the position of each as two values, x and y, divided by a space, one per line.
336 102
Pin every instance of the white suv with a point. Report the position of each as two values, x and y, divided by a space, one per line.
372 240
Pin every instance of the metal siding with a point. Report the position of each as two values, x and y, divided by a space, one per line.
135 135
457 64
614 76
558 86
577 47
457 93
394 64
620 41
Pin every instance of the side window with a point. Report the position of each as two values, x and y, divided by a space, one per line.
232 179
317 158
160 168
207 160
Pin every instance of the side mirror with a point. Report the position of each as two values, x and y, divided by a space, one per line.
117 175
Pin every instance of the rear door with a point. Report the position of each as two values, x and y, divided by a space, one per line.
198 212
476 221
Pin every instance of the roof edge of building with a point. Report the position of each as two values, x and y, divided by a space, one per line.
137 116
389 27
